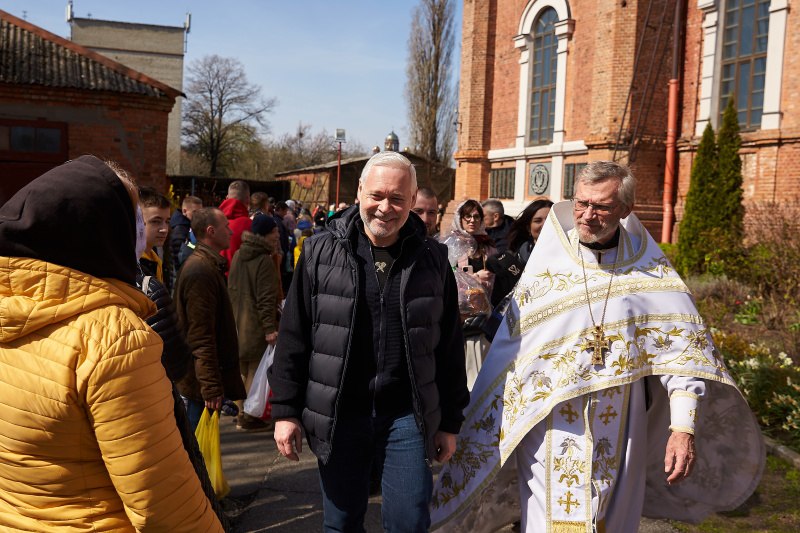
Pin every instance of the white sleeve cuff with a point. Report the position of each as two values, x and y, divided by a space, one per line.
683 411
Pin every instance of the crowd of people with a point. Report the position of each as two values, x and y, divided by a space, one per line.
541 359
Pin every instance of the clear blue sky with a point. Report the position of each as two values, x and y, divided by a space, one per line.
329 64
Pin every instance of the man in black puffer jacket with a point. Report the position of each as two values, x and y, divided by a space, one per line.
370 355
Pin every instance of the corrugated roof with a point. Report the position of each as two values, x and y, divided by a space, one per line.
30 55
324 166
333 164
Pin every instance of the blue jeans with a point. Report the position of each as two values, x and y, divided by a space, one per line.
194 410
396 448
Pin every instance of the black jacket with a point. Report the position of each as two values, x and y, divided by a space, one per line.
284 238
499 234
319 332
179 226
176 356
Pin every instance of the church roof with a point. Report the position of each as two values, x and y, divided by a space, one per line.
30 55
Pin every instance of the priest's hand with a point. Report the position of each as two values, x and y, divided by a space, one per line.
289 438
680 457
445 446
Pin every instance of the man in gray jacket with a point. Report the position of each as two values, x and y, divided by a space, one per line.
370 355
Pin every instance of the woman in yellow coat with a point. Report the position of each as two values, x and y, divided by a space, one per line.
88 440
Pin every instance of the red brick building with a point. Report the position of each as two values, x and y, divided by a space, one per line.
548 85
59 100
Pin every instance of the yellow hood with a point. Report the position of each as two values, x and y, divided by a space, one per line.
34 294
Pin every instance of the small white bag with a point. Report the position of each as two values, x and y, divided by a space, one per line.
256 403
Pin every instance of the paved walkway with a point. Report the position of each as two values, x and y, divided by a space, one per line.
272 494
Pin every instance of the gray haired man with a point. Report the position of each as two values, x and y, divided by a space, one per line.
370 358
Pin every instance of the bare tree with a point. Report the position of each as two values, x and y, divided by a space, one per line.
222 109
304 148
429 87
259 159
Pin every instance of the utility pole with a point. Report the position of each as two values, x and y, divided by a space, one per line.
340 138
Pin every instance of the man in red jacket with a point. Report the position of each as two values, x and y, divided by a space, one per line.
235 209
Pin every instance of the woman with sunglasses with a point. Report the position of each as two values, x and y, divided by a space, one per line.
469 232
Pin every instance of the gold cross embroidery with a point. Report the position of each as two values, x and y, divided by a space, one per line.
569 502
569 413
598 344
608 413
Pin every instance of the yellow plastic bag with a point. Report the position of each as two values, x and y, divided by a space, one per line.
207 434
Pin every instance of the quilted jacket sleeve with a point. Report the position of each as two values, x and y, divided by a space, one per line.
176 357
129 401
451 375
288 374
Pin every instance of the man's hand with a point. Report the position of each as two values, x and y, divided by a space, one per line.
680 457
271 338
445 446
289 438
214 403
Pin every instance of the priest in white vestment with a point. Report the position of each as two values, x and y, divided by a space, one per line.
602 398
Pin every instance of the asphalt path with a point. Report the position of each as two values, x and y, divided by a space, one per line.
272 494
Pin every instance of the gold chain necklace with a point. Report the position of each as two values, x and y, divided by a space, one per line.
598 342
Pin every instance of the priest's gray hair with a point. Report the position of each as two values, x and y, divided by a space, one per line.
390 159
597 171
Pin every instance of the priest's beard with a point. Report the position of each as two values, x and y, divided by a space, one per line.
605 232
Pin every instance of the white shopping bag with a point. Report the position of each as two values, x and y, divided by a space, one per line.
256 403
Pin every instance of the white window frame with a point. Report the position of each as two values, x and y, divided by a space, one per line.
557 149
708 101
524 42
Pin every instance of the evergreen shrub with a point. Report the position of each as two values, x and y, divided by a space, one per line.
692 245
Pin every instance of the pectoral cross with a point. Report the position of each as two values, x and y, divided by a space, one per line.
599 343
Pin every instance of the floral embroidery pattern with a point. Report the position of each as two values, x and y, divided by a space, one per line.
529 391
540 365
605 464
569 463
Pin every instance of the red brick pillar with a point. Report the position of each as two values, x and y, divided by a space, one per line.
475 106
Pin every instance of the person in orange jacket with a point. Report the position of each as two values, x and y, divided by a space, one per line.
88 441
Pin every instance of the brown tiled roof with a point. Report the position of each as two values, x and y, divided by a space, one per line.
30 55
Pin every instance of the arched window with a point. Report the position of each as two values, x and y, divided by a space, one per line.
543 79
744 59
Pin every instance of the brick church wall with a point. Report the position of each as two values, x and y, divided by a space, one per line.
600 68
770 158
